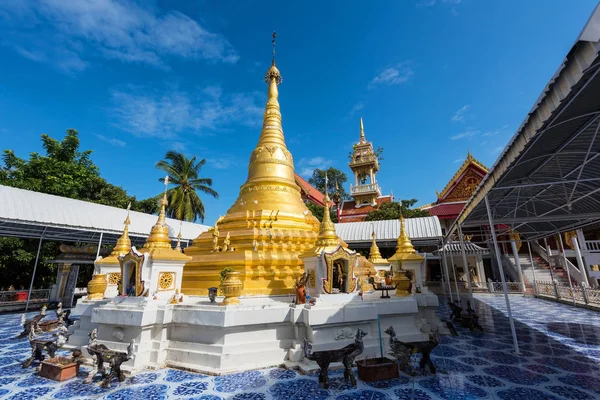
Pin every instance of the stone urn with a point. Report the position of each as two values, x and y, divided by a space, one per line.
404 284
232 288
97 286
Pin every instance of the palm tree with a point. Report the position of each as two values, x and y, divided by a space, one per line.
184 202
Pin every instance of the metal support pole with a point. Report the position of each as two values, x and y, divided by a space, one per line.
513 245
532 265
562 247
580 262
464 257
98 251
454 274
37 258
549 259
446 273
509 311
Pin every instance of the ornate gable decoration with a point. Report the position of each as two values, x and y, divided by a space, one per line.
464 182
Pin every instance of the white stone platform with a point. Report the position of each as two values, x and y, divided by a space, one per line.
259 332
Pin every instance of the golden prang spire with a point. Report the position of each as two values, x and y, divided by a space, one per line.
178 247
362 132
404 243
159 235
374 253
123 243
327 236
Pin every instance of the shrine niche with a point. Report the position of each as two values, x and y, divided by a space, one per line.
132 283
340 271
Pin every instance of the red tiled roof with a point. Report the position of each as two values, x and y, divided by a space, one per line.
447 211
352 214
310 191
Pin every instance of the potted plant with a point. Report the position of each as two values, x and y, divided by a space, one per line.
223 273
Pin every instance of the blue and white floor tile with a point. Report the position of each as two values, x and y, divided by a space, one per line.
559 359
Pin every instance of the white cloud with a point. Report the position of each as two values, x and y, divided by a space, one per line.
113 29
308 165
452 1
151 113
496 131
497 150
458 160
466 134
113 141
400 73
460 114
357 107
222 162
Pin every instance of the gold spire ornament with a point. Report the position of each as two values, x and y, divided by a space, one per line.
374 253
158 243
404 248
268 212
362 132
123 243
178 247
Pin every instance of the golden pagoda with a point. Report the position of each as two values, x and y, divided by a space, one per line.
380 264
123 244
269 224
405 257
327 239
158 244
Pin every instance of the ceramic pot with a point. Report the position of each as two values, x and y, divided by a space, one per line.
301 294
20 296
388 280
232 288
96 287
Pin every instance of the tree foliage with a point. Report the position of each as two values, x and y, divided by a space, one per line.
394 209
318 212
65 171
184 201
333 175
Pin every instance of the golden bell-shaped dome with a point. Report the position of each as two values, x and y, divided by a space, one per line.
404 249
374 254
123 244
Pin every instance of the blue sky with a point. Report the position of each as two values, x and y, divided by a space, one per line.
431 78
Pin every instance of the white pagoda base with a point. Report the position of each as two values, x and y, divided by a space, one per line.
260 332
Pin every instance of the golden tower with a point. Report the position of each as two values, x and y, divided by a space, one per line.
364 165
404 248
269 224
123 244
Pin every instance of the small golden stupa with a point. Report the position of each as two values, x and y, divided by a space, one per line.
405 253
379 263
123 244
158 244
269 224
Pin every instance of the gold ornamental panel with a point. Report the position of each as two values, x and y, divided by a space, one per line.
166 280
114 278
312 278
339 254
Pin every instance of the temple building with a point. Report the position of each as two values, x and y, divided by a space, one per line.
309 193
365 192
452 199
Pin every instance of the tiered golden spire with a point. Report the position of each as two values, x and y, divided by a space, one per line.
269 224
404 248
123 243
362 132
159 235
327 236
178 247
374 253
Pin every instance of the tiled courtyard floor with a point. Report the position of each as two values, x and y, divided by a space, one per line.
560 359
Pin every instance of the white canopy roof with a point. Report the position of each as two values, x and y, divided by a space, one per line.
28 214
470 248
425 230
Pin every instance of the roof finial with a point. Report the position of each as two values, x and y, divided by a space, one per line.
273 41
178 247
159 235
362 130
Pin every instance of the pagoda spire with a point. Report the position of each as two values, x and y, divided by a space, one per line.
362 131
327 235
374 253
123 243
159 235
178 247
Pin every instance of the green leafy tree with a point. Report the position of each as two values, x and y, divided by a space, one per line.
333 175
393 210
318 212
65 171
184 201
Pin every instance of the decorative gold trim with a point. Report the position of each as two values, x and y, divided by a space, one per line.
339 254
312 278
114 278
470 160
137 260
166 281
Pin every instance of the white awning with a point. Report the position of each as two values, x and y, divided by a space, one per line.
28 214
420 230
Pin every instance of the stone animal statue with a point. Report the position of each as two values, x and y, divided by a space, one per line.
346 355
468 319
402 351
101 355
38 346
35 322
